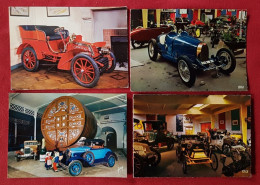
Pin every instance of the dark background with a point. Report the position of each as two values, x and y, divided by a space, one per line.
253 69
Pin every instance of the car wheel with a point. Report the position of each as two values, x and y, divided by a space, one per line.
226 149
136 44
153 49
75 168
138 165
89 158
85 70
197 33
111 63
17 158
214 159
184 167
111 161
227 58
157 156
186 71
29 59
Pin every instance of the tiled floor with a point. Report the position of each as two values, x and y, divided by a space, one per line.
58 79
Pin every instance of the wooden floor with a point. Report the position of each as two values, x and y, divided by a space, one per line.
58 79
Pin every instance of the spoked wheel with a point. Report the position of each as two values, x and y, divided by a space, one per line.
226 149
157 157
138 165
89 158
111 63
152 49
214 159
136 44
186 71
111 161
227 58
184 167
75 168
85 70
29 59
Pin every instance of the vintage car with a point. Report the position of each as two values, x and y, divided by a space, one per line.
144 156
85 60
155 134
190 54
193 150
231 141
91 154
30 150
241 160
140 35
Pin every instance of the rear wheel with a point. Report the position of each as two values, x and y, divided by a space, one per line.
111 161
214 159
75 168
85 70
111 63
29 59
186 71
136 44
153 49
227 58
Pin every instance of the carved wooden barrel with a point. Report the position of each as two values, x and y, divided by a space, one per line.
65 121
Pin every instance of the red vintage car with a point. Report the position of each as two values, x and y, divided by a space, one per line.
85 60
140 35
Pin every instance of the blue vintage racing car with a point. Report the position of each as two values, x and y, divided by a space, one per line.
93 152
190 54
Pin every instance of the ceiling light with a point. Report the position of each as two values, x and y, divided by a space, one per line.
198 105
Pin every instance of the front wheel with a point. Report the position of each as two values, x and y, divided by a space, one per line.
111 63
136 44
75 168
157 157
227 58
29 59
153 49
226 149
186 71
85 70
214 160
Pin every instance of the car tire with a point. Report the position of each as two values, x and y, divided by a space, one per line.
158 157
153 49
136 45
29 59
214 159
186 71
86 78
112 63
226 56
75 168
89 157
17 158
170 145
138 165
111 160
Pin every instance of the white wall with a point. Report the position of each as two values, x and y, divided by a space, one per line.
115 20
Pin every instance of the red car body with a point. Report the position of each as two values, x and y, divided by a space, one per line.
52 43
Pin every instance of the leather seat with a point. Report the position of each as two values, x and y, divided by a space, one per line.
49 31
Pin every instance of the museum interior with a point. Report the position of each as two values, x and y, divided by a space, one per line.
217 28
169 130
26 123
95 25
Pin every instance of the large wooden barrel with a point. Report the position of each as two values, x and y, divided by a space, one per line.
65 121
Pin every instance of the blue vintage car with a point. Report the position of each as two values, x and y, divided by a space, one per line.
93 152
190 54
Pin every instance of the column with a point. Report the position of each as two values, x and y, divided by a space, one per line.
145 17
243 115
158 17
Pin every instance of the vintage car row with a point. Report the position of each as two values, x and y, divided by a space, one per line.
86 61
190 55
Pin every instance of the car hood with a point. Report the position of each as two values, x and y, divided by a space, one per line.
189 40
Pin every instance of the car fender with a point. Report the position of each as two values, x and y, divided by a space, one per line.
38 46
